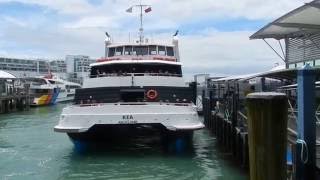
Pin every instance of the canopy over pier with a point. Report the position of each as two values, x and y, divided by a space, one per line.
295 24
300 30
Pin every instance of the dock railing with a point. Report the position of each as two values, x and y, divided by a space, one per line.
225 114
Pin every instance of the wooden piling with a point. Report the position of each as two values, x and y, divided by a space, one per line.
267 131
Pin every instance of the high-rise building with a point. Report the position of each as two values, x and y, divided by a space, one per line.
78 65
58 66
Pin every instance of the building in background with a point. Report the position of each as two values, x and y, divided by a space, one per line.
58 66
32 67
74 68
78 67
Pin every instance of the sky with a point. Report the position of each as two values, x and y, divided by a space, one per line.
213 34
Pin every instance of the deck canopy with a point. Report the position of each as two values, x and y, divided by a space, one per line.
279 74
6 75
283 74
302 21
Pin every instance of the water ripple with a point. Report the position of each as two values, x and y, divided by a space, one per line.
29 149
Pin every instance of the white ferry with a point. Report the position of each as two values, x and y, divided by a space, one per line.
67 88
41 91
136 85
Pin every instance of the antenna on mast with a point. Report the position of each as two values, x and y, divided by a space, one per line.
146 10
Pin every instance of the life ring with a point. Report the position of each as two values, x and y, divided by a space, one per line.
152 94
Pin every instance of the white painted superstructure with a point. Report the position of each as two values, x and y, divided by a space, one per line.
134 85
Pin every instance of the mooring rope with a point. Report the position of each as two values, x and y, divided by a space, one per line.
303 144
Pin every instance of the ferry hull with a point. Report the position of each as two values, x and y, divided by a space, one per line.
108 136
47 99
87 120
108 133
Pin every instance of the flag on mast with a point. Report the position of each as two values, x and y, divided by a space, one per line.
129 10
147 10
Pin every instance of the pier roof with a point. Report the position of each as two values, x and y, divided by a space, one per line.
299 22
234 78
283 74
280 74
6 75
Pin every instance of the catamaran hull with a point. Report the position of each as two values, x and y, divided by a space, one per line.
110 133
117 120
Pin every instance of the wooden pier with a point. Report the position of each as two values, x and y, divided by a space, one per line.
230 134
12 97
13 103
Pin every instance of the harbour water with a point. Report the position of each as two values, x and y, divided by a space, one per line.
29 149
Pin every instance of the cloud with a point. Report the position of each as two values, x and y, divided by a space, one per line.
77 27
183 10
215 50
14 21
93 21
61 6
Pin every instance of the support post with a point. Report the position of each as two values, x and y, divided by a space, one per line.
286 42
193 86
211 105
263 84
203 97
234 122
306 160
267 131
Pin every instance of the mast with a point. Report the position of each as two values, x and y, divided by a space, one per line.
141 23
140 6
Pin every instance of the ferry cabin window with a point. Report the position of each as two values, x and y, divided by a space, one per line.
152 50
72 87
137 69
119 51
111 52
161 50
52 82
170 51
41 91
127 50
140 50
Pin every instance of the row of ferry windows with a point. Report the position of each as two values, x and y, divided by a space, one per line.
141 50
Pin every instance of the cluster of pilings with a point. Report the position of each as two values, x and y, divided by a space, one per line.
13 98
13 103
229 133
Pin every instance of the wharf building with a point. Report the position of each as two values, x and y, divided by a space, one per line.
78 67
20 67
73 68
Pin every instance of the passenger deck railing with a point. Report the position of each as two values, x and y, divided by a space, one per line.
134 74
84 103
138 57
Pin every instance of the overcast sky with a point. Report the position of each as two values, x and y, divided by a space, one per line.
214 34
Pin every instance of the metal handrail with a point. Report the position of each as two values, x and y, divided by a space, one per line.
135 103
134 74
242 115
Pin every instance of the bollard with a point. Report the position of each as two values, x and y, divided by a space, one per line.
267 131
